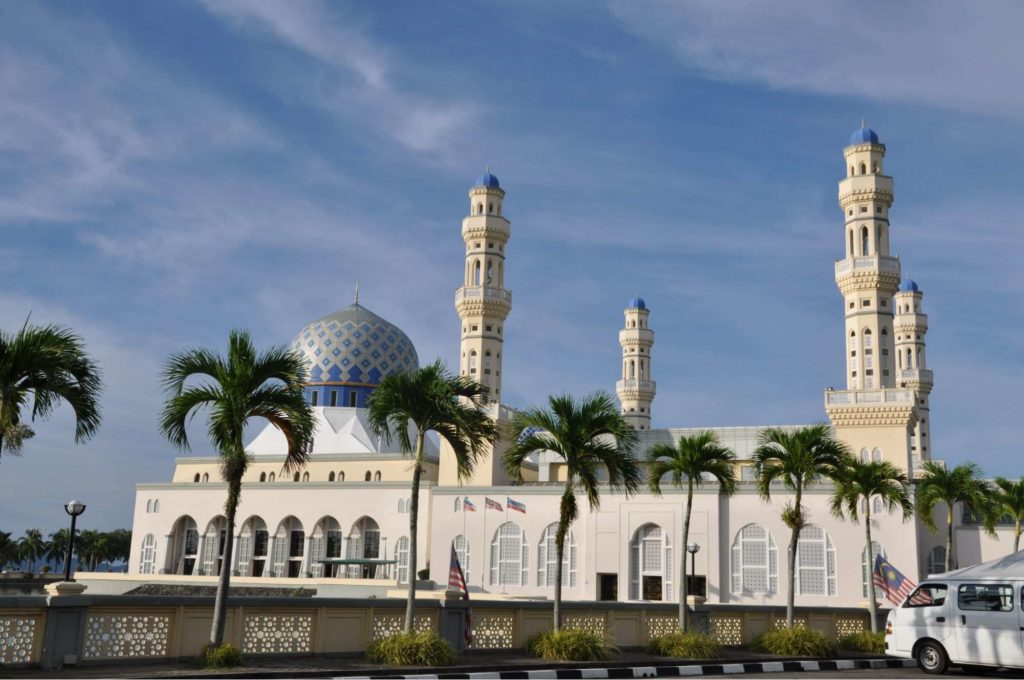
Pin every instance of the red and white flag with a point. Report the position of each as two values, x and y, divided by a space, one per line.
456 579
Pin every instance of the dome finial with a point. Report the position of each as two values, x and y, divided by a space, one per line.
862 124
357 291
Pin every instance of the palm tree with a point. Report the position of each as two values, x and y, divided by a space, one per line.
690 462
796 459
41 366
58 551
87 547
31 547
1009 502
590 436
8 549
857 485
962 484
424 400
235 388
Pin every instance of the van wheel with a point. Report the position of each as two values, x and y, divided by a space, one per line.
931 658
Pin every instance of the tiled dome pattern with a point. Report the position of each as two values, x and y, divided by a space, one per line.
354 346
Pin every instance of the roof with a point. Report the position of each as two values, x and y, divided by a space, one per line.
864 135
1010 566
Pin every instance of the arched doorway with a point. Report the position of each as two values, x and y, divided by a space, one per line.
184 546
253 544
289 548
325 544
363 544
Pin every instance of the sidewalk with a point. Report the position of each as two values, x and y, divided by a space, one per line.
626 664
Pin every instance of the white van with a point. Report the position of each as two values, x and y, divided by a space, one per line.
968 617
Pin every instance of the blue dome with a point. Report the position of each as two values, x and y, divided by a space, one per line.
349 352
864 135
908 286
637 303
487 180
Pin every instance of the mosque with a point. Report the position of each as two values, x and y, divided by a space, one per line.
344 517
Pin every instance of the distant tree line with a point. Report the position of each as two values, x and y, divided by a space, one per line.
34 552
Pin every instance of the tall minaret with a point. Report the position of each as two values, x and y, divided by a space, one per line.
911 325
482 302
868 276
636 388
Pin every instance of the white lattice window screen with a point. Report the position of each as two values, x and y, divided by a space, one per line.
402 558
209 552
147 562
547 558
509 556
867 565
876 505
244 554
876 455
280 551
815 562
865 457
461 544
755 561
650 555
937 560
317 552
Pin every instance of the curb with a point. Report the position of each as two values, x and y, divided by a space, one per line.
660 671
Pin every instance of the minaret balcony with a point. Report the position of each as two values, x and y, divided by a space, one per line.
881 263
635 387
483 293
854 397
922 376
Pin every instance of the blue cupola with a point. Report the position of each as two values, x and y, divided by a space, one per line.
864 135
909 286
637 303
487 180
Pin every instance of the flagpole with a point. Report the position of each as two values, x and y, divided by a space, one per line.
485 548
506 519
464 537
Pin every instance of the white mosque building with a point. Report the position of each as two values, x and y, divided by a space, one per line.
343 518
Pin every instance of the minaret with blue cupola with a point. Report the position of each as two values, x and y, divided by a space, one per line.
636 389
483 302
911 326
868 275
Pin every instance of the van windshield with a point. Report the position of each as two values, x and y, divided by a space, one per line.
928 595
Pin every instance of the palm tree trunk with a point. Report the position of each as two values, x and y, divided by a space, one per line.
872 604
220 602
682 557
1016 535
949 537
414 513
563 526
794 538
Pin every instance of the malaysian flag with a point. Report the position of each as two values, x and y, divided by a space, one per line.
491 504
467 505
456 579
895 585
515 505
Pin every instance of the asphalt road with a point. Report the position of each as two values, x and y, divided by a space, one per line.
901 673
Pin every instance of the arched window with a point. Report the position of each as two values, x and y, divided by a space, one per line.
876 455
865 457
402 507
147 559
263 476
755 561
363 543
936 563
458 504
295 477
323 544
369 476
341 476
650 564
490 208
632 369
305 476
876 506
476 273
815 562
196 479
156 505
863 169
479 208
206 476
272 477
461 544
253 546
851 243
867 338
547 558
509 556
402 559
863 240
149 506
376 476
330 477
867 567
184 546
910 358
214 544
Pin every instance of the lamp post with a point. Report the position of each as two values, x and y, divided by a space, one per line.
73 508
692 548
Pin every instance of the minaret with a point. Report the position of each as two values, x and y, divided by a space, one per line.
911 326
636 388
482 302
868 276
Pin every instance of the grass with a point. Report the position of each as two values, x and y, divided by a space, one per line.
794 642
569 645
685 646
224 656
865 641
426 648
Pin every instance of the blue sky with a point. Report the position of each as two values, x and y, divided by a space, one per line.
169 171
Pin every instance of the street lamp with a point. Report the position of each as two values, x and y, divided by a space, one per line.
693 548
73 508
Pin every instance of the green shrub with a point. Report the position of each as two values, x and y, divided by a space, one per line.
864 641
685 646
569 645
418 649
794 642
225 656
